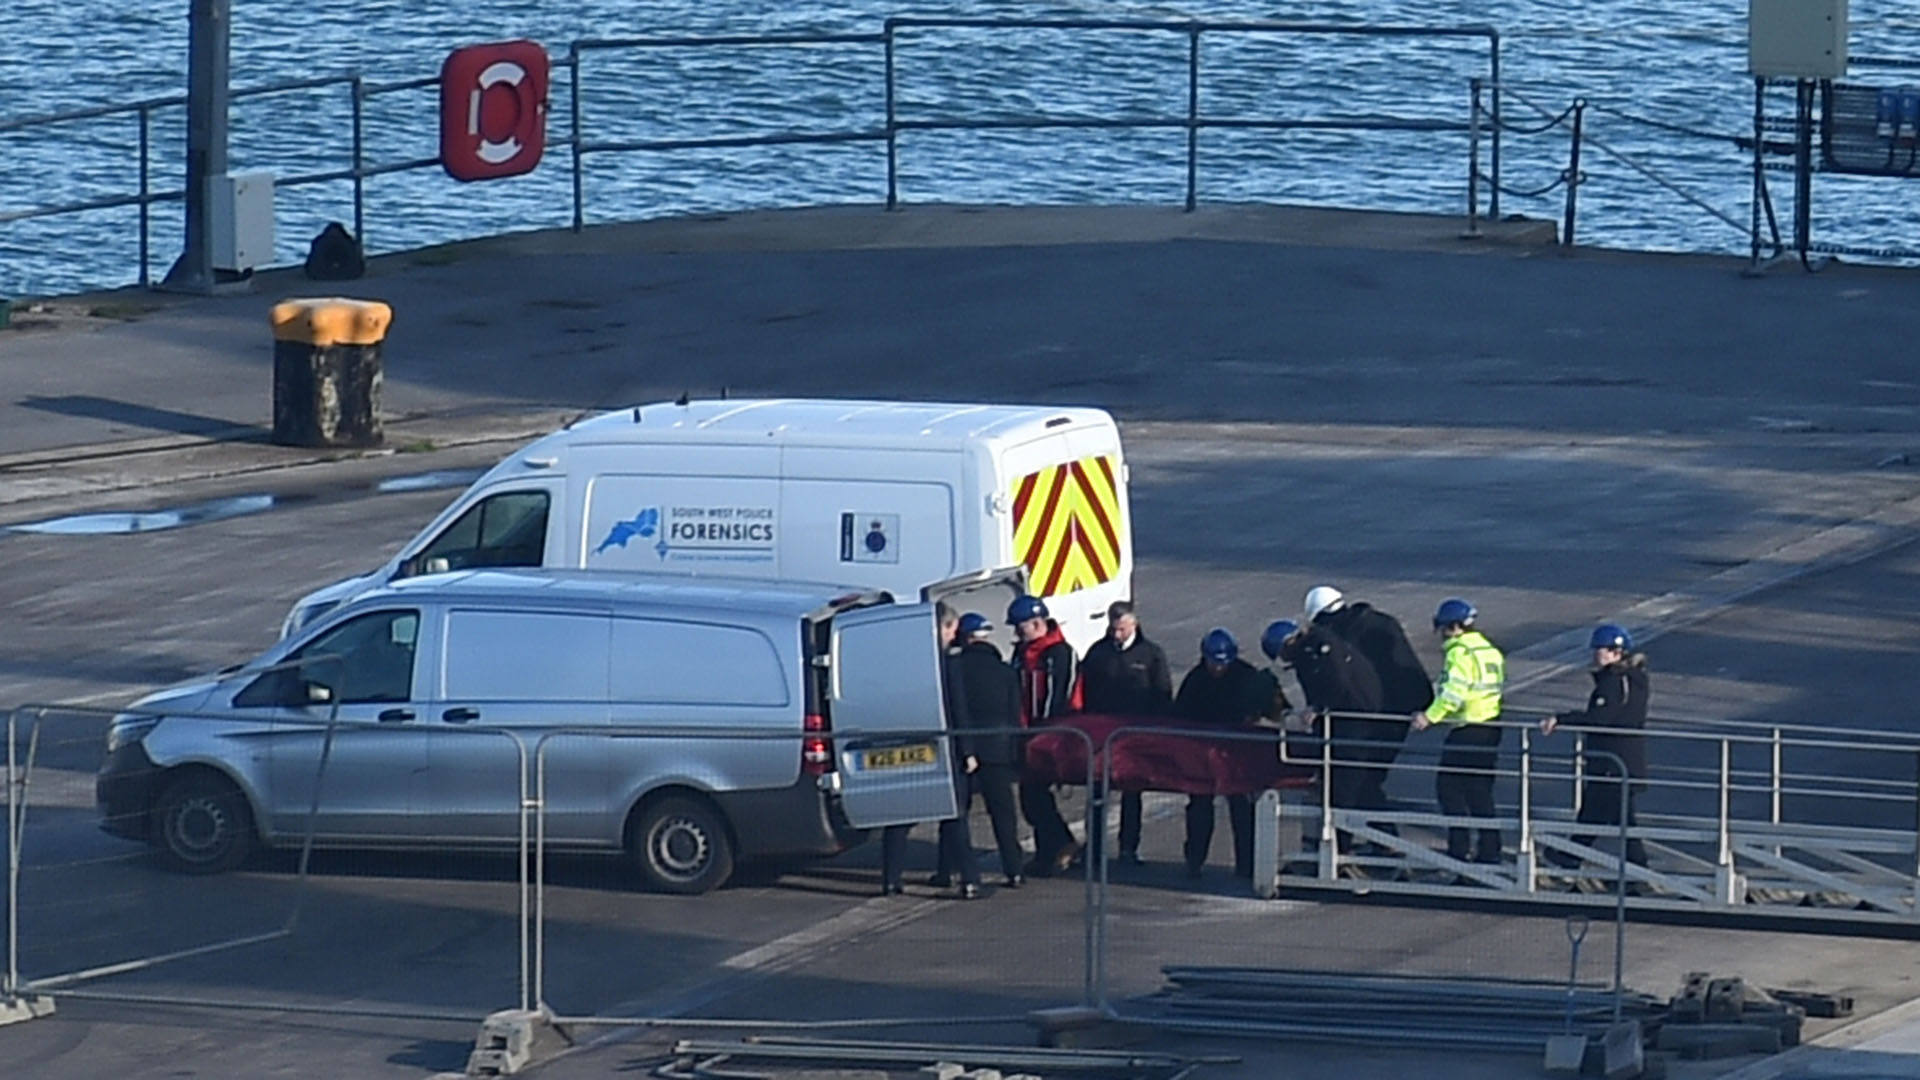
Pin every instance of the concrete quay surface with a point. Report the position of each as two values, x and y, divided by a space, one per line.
1306 396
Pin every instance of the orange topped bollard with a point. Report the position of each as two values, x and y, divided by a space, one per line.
327 371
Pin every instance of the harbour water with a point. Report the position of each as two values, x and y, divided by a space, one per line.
1680 66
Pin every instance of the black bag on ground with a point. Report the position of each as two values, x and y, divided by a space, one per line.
335 255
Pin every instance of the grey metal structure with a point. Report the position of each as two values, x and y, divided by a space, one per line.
1721 837
209 36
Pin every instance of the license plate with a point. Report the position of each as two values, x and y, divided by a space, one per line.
895 757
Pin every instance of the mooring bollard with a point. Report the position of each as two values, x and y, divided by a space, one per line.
327 371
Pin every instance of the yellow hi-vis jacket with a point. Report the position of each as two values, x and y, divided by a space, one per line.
1469 688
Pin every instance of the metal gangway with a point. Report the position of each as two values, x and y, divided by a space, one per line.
1741 821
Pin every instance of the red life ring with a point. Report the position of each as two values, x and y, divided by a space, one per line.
493 109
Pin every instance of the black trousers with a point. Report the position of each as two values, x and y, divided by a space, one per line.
1200 831
1465 789
994 785
1050 833
956 851
1600 805
1131 808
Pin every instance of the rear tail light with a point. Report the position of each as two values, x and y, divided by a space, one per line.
816 750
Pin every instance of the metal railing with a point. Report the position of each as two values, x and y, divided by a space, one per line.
357 170
1727 810
1573 120
1723 858
1188 116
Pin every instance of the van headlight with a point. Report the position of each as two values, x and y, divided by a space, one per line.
127 730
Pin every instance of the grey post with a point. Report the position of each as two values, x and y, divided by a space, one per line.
13 863
893 121
1473 164
1759 168
1193 116
209 30
1573 172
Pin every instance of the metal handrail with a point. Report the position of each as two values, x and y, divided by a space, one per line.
1192 119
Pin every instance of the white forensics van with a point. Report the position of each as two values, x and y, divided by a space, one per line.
884 495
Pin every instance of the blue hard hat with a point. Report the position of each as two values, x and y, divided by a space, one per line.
1219 646
1610 636
1027 607
973 623
1276 635
1453 610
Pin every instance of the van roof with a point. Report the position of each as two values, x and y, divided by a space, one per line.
597 587
828 421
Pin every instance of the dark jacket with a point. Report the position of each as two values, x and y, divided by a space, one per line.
1336 678
1235 697
1045 667
1380 638
991 692
1617 709
1134 681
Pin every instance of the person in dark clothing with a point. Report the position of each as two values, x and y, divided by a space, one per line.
991 693
1337 679
1614 719
1124 674
1405 686
956 844
1225 690
1044 663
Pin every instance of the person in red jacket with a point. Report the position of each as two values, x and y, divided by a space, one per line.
1045 664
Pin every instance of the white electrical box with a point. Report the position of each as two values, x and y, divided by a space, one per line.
1797 39
240 209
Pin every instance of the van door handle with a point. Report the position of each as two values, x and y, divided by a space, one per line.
390 716
460 716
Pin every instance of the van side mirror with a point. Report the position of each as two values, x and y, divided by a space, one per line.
438 565
316 693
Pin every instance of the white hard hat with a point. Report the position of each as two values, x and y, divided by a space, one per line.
1323 598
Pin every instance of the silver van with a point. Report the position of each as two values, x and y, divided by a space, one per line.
431 701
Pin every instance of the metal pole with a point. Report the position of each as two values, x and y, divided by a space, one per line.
209 30
575 59
1097 879
1916 828
1724 864
146 208
1193 117
893 132
1329 839
1803 166
539 867
13 858
1473 163
1759 169
1776 776
1579 771
1527 867
1573 172
1493 199
359 163
1620 892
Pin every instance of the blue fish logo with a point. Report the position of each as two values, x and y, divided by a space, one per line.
643 525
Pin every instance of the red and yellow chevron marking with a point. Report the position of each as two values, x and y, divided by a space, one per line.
1066 525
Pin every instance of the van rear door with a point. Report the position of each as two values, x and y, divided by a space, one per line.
887 713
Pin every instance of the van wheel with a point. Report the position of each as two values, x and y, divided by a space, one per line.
683 846
203 824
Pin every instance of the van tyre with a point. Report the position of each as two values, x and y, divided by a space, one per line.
203 824
683 846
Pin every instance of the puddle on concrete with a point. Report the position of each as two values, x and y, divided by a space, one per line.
429 481
118 524
122 523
